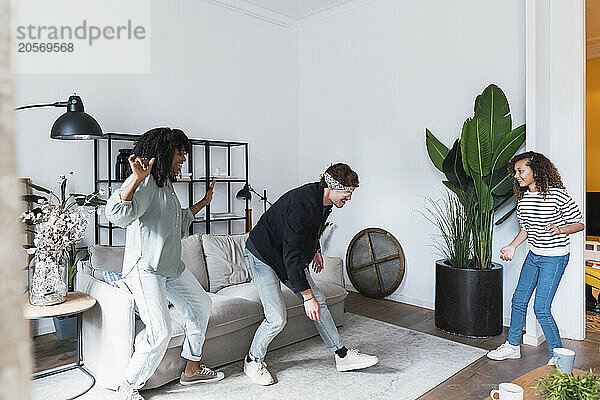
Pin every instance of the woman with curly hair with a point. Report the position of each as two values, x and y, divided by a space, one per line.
146 204
547 216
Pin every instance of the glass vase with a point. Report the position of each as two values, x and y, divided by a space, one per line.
47 282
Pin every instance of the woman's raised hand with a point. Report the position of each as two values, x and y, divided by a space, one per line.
140 167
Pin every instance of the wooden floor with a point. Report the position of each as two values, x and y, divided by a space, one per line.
473 382
478 379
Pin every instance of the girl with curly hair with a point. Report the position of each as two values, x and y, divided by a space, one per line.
547 216
146 204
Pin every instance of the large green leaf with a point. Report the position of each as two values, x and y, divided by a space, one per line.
502 183
499 201
491 107
436 150
508 147
463 146
484 195
453 168
478 147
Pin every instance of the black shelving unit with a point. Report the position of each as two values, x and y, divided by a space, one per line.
109 138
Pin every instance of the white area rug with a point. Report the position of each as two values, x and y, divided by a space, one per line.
410 364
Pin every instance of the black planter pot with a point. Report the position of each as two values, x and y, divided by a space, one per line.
468 302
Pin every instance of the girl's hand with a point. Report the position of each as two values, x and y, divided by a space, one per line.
553 229
140 167
507 253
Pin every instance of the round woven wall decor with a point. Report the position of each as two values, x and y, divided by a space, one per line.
375 262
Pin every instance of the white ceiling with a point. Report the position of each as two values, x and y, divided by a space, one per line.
297 8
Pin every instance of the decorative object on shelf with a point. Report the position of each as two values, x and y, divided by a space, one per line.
246 194
58 227
475 171
122 167
74 124
559 386
375 263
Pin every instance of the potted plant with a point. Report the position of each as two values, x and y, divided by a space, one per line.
60 222
559 386
468 298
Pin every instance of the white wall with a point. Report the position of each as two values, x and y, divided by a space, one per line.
371 79
216 74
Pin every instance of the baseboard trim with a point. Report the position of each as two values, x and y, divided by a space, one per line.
532 340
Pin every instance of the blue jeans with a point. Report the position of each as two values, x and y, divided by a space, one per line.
269 289
151 292
544 272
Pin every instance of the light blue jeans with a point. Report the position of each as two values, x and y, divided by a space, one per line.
543 272
269 289
151 292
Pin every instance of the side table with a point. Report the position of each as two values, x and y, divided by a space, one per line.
528 381
76 304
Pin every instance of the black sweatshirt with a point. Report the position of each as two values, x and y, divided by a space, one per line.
286 237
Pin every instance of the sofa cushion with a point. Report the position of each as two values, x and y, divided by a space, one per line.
333 293
109 258
225 261
192 256
228 314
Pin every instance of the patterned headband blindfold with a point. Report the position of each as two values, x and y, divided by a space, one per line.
335 185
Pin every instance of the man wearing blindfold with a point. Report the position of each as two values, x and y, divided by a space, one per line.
280 248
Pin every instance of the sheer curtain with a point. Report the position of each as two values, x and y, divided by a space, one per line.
15 358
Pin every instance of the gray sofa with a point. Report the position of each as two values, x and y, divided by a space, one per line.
110 329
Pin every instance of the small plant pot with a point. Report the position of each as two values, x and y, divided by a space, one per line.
468 302
66 327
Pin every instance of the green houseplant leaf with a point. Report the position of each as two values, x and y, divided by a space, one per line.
453 167
484 195
508 147
502 183
478 146
437 150
491 107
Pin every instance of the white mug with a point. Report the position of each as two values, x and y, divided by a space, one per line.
508 391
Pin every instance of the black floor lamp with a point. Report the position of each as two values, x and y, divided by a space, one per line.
74 124
246 194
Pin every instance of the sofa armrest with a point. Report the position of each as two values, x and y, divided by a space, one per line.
108 330
333 271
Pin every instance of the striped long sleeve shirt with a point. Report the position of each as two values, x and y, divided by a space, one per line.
534 213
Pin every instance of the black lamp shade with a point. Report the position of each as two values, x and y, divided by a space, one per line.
75 125
244 193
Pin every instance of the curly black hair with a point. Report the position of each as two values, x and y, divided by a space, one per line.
545 174
161 144
343 174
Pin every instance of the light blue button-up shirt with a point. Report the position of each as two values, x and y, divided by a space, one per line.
155 224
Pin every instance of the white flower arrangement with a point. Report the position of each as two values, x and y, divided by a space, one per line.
58 227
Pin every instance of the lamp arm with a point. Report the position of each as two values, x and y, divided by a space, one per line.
262 198
56 104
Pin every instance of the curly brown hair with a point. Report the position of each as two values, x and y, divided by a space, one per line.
161 144
545 174
343 174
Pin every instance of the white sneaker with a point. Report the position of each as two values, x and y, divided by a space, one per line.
506 350
258 372
127 392
354 360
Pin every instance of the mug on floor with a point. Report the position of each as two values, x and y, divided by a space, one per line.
563 359
507 391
